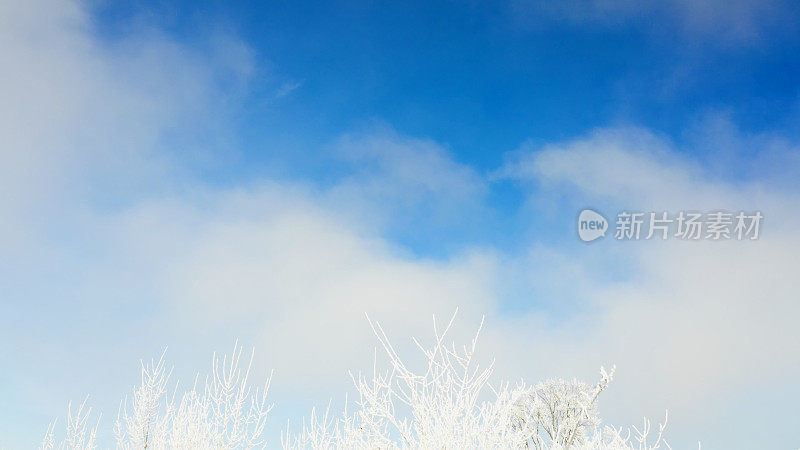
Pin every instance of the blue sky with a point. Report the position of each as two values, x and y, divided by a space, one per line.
184 174
479 77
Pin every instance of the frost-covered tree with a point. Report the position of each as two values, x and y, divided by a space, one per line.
222 412
449 404
444 406
78 434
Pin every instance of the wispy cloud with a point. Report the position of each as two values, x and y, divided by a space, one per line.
746 23
288 87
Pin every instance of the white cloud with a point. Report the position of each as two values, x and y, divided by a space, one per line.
282 265
696 321
113 246
89 127
396 181
631 164
79 112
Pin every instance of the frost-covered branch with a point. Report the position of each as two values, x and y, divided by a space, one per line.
225 413
448 402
